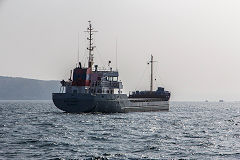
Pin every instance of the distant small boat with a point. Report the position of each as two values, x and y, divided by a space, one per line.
206 100
220 100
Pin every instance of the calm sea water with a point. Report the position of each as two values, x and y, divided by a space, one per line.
38 130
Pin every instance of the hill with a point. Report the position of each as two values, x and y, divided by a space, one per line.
15 88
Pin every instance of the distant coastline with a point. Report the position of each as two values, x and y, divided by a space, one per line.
17 88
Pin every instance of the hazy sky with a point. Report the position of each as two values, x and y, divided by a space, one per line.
196 42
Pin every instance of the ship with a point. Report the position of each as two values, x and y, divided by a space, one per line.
91 89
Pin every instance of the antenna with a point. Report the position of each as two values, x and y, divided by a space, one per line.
116 55
78 49
91 47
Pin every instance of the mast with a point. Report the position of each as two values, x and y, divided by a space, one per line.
91 47
151 83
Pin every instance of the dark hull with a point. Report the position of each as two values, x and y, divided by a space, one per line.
106 103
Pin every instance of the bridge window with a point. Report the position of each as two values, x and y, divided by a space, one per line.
115 78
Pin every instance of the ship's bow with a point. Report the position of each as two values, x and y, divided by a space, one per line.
73 103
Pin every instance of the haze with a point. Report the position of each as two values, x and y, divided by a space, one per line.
196 43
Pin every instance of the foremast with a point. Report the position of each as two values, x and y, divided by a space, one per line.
151 83
151 80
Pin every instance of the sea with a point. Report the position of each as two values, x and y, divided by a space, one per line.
189 130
